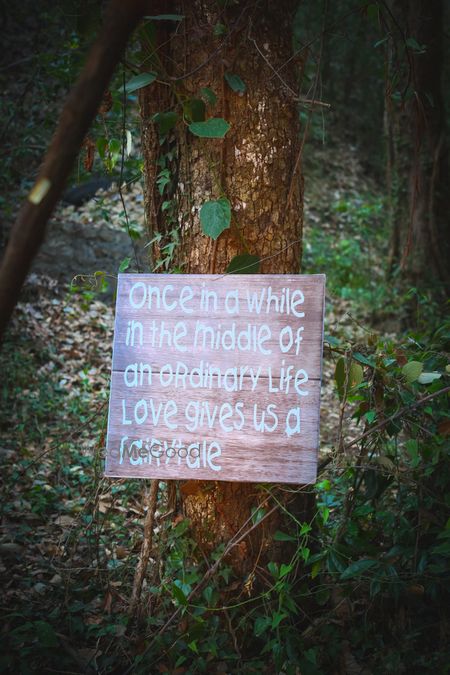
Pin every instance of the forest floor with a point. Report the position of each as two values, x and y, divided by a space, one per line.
69 538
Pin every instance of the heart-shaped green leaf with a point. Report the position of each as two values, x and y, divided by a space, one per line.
235 83
353 379
412 370
209 95
358 568
215 217
244 264
194 110
428 378
139 81
165 121
215 127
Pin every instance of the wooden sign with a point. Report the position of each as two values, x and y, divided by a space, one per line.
216 377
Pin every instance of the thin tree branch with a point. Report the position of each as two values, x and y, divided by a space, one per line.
399 413
146 546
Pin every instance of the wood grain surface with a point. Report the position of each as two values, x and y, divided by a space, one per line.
216 378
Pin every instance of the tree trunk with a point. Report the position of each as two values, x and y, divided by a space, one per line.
428 181
418 157
257 166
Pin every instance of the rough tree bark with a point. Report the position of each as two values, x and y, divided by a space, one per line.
257 166
417 152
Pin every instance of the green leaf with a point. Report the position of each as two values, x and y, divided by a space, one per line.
317 566
46 634
215 127
124 265
262 623
285 569
324 485
235 83
133 233
194 110
219 29
102 144
363 359
428 378
325 513
283 536
375 588
329 339
208 593
373 11
412 448
244 264
273 569
442 549
358 568
335 564
139 81
278 618
305 552
181 528
215 217
179 595
115 146
414 45
339 375
257 514
166 17
354 377
412 370
225 574
193 646
165 121
209 95
370 416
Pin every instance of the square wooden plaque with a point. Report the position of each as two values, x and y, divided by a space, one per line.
216 378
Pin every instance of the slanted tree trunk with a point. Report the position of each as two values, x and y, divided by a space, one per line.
257 166
429 195
28 231
417 150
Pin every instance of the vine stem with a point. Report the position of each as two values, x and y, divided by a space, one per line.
146 548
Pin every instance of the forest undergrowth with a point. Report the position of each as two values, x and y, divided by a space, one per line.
364 588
